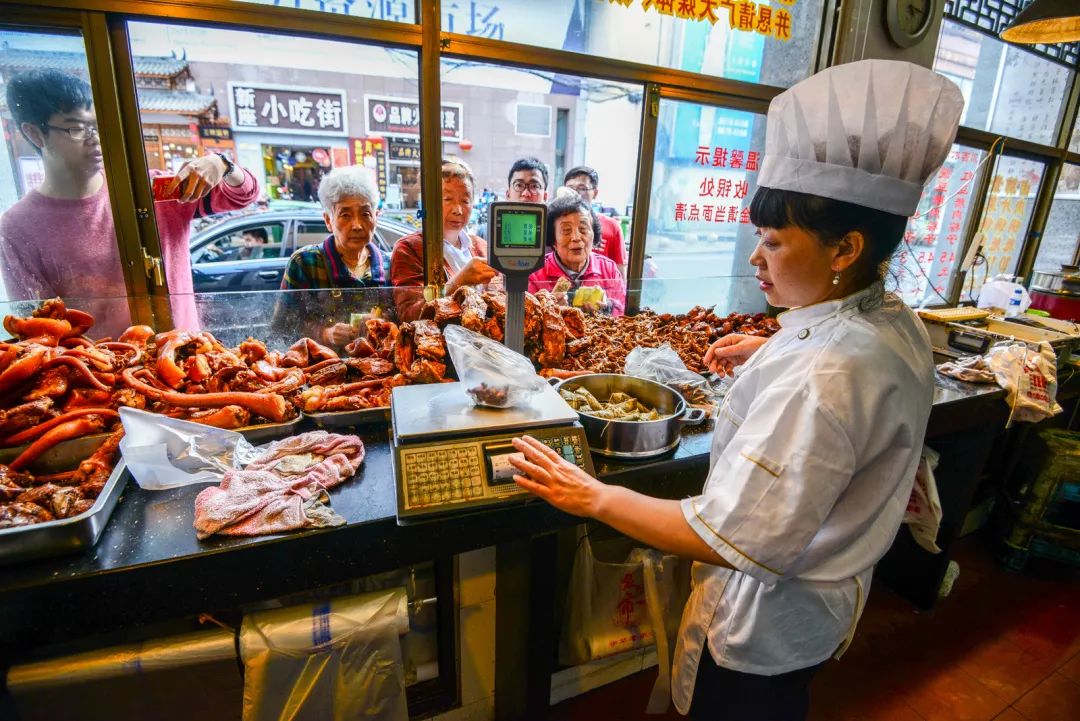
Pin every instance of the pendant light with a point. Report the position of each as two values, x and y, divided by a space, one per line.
1045 21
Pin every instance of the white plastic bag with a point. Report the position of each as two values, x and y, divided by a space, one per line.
1030 378
923 515
338 660
163 452
494 375
664 365
998 291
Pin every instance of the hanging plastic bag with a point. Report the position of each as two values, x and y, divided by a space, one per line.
664 365
923 515
337 660
494 375
163 452
1030 378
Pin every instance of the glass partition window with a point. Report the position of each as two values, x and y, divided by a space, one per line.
398 11
286 111
700 238
495 116
1061 236
771 42
57 234
1007 90
923 268
1009 205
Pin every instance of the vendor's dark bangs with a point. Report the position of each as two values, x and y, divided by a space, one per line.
769 208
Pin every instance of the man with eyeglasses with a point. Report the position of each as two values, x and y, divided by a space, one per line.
525 183
60 238
586 182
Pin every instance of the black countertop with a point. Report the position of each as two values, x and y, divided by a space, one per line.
149 563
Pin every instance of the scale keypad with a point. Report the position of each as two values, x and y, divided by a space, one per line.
466 473
443 475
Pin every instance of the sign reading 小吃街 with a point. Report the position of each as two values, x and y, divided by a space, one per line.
288 109
400 117
772 20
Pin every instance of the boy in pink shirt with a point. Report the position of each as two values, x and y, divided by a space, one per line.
60 239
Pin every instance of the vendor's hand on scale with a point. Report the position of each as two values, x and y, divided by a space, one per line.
731 351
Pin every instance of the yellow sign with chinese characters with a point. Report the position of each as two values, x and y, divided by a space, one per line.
741 15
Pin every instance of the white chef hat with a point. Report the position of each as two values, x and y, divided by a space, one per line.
869 133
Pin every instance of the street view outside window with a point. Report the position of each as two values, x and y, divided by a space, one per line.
771 42
1061 236
285 111
57 234
1007 90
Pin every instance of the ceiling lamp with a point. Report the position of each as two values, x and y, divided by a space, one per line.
1045 21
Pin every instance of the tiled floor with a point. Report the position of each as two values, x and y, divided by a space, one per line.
1002 647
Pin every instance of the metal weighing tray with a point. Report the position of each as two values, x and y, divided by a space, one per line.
270 431
342 419
65 535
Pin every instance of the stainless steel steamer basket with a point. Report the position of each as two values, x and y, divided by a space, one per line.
634 440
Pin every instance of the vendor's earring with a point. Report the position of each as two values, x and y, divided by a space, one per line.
836 278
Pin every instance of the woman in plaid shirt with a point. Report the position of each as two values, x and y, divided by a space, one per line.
346 259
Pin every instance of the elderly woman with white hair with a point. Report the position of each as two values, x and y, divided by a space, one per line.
346 259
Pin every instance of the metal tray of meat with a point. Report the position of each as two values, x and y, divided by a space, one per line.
65 535
270 431
342 419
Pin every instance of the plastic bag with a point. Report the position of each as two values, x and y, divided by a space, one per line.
1030 378
163 452
494 375
336 660
923 515
998 291
664 365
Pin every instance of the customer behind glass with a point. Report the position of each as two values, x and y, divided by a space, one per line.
346 259
60 239
464 255
571 227
526 182
586 182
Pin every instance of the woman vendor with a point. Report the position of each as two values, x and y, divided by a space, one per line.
463 254
571 227
817 441
346 259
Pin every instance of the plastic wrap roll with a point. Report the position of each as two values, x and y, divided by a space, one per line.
336 660
172 652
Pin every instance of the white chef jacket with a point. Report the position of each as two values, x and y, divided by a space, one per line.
812 465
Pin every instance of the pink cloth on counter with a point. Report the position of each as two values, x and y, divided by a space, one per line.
67 247
284 489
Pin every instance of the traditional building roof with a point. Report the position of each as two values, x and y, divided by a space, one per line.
19 59
175 101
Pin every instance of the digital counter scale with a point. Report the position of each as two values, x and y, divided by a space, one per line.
516 248
450 455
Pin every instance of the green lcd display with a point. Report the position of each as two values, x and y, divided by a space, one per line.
518 230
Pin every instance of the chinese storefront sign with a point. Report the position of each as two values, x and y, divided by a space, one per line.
473 18
400 117
772 19
404 151
933 240
283 109
371 153
400 11
721 196
215 132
